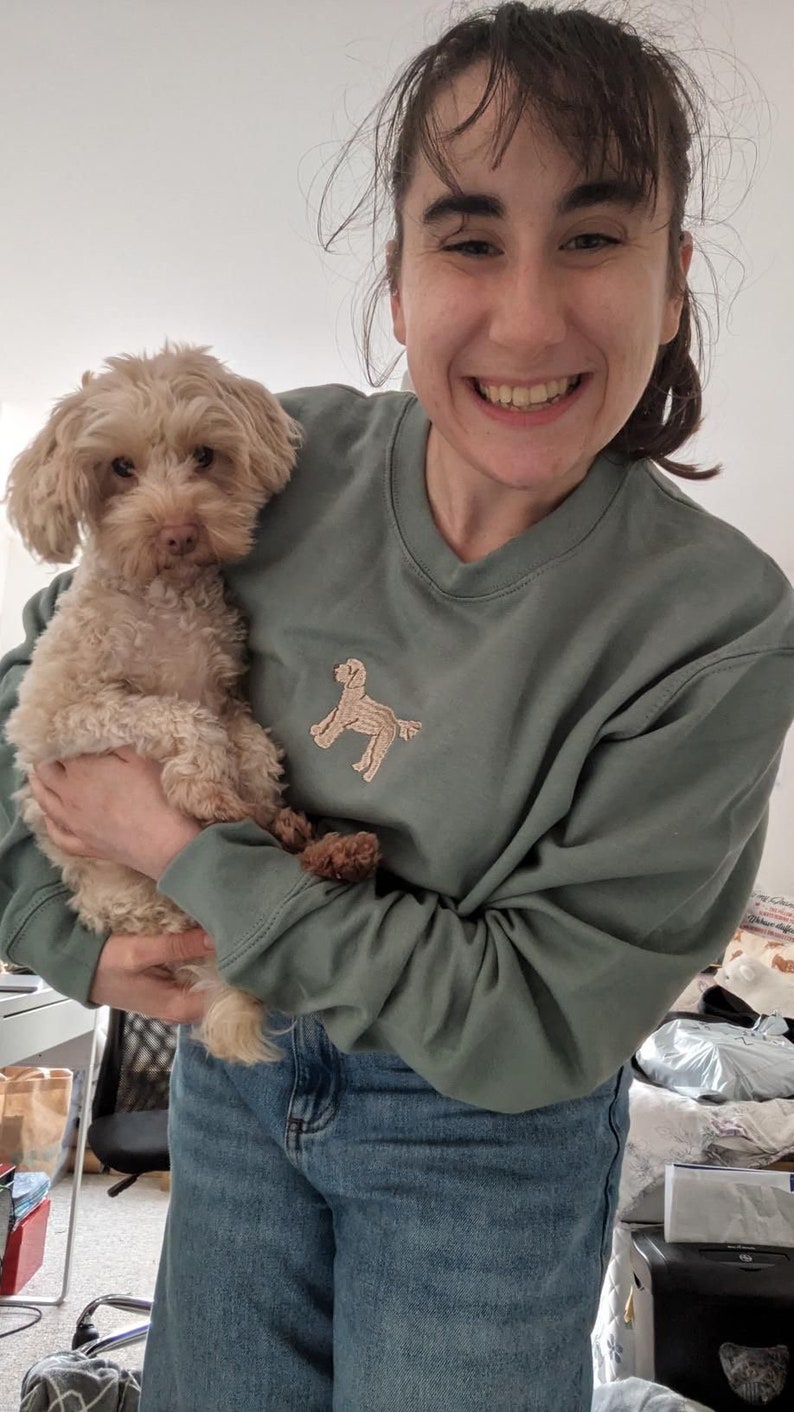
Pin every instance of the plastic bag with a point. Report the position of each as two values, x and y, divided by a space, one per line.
721 1063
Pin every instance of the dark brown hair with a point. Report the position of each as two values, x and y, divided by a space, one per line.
605 94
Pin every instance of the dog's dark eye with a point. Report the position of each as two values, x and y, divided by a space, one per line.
203 456
123 467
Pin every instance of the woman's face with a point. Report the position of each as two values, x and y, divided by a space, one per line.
520 282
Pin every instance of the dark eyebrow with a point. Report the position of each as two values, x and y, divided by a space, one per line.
462 203
611 192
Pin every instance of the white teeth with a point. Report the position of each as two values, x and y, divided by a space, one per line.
522 397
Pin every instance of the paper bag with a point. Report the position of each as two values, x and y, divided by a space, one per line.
34 1106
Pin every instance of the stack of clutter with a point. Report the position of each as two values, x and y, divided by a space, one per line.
713 1289
757 974
28 1191
34 1103
23 1251
741 1045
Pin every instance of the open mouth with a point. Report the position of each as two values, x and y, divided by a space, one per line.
527 399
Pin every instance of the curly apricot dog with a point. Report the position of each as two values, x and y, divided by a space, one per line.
159 466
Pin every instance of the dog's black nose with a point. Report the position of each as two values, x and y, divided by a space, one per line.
178 539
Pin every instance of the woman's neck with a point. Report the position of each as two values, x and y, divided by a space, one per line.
476 515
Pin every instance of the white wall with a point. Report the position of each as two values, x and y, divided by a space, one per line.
155 160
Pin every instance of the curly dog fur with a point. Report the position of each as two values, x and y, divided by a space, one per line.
158 467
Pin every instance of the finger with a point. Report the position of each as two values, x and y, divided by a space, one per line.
37 789
65 840
173 1003
50 772
51 805
41 791
43 794
164 999
170 948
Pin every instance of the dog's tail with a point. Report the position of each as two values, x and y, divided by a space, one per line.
408 729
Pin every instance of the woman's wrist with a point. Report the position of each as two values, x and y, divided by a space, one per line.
164 846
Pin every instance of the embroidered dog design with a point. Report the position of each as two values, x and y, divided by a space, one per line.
358 712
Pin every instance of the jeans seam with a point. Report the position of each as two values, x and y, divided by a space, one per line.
613 1127
291 1130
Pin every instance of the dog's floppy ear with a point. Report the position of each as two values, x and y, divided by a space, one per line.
273 437
46 487
356 675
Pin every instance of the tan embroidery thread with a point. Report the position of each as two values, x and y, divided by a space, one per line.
358 712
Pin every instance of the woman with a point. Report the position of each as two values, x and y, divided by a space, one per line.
412 1209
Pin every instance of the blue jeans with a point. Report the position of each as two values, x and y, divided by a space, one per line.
342 1238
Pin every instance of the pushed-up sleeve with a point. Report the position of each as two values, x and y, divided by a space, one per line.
38 929
547 986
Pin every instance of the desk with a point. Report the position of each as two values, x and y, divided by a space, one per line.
44 1027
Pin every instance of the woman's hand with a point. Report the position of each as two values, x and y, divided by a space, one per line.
111 807
135 973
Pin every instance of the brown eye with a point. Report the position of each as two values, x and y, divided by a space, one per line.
203 457
123 467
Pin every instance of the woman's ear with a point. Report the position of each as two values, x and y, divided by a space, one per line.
45 496
392 271
675 301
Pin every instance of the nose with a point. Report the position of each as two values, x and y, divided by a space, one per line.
528 312
178 539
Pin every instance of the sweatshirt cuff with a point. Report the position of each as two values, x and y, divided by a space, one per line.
232 879
67 966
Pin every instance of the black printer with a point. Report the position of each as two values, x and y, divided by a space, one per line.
715 1322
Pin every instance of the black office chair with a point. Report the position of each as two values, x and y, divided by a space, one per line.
129 1134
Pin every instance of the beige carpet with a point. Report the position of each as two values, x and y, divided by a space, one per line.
116 1252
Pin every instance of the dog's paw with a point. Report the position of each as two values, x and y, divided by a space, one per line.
293 830
350 857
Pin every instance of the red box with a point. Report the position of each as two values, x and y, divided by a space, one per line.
25 1249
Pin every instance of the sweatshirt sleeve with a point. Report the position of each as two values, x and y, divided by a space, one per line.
545 988
37 927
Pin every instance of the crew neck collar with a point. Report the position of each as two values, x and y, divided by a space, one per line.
509 566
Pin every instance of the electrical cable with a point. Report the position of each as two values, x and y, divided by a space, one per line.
33 1308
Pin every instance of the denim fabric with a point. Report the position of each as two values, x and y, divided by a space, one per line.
342 1238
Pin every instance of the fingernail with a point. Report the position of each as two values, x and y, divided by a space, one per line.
208 943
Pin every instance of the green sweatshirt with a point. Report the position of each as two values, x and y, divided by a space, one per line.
566 750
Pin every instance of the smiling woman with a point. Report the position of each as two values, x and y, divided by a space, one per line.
515 274
627 114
